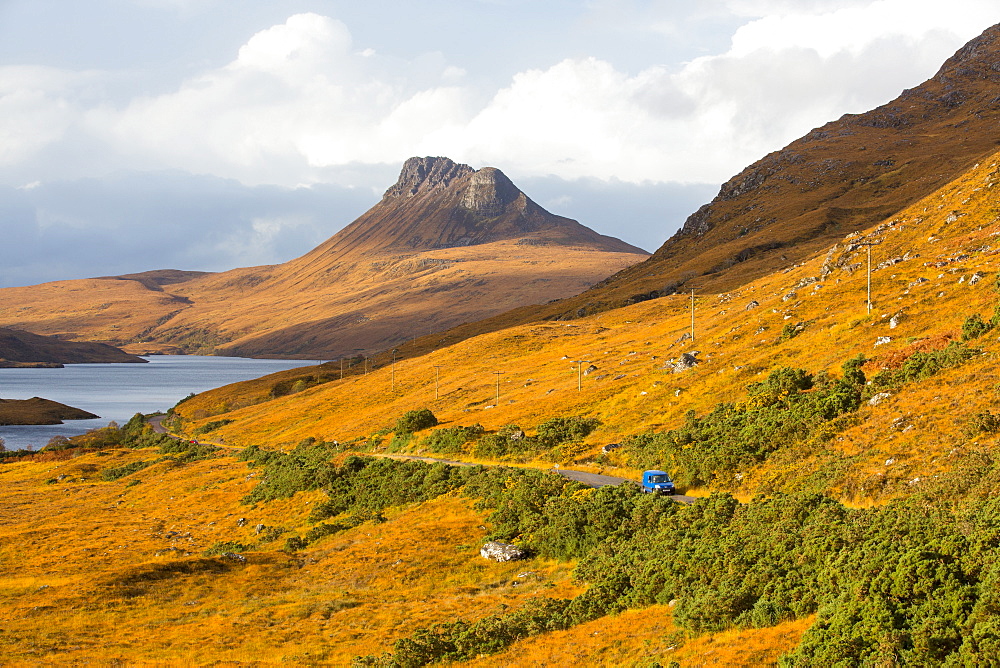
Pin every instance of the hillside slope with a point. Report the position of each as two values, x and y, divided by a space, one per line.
446 245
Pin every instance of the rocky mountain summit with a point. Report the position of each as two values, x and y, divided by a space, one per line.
438 203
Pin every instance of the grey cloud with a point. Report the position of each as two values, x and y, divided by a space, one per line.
131 222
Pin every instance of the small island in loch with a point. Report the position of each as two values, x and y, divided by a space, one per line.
37 411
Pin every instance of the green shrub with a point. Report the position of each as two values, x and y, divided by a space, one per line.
225 547
509 440
984 422
418 420
559 430
117 472
449 441
974 327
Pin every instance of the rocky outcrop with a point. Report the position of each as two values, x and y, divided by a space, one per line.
490 192
498 551
423 175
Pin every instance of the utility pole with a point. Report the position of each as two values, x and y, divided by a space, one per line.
437 383
342 368
869 244
498 386
579 373
692 315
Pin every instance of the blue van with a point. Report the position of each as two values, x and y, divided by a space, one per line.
657 482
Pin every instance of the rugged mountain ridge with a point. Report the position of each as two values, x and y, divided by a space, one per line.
446 244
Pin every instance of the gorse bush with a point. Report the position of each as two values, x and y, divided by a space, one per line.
117 472
509 440
920 365
449 441
418 420
559 430
974 327
225 547
983 422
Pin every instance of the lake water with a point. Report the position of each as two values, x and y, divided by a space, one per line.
119 391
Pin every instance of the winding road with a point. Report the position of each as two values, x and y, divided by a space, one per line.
589 479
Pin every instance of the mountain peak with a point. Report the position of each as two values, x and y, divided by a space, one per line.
490 192
422 175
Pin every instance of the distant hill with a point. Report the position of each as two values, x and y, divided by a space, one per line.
23 348
447 244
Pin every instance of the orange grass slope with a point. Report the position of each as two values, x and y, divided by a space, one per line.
935 265
115 571
639 638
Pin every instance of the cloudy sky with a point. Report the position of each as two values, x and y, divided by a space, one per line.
209 134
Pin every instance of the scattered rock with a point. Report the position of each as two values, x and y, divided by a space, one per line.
589 370
683 363
878 398
498 551
232 556
791 295
976 277
882 340
895 320
890 462
686 336
752 305
241 522
610 446
257 530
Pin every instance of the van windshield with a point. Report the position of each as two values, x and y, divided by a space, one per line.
659 478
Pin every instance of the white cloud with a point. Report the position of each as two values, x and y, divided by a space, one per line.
301 99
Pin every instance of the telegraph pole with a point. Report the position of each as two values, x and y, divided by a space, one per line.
437 384
692 315
498 386
869 244
579 373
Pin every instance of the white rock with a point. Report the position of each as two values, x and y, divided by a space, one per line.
498 551
878 398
